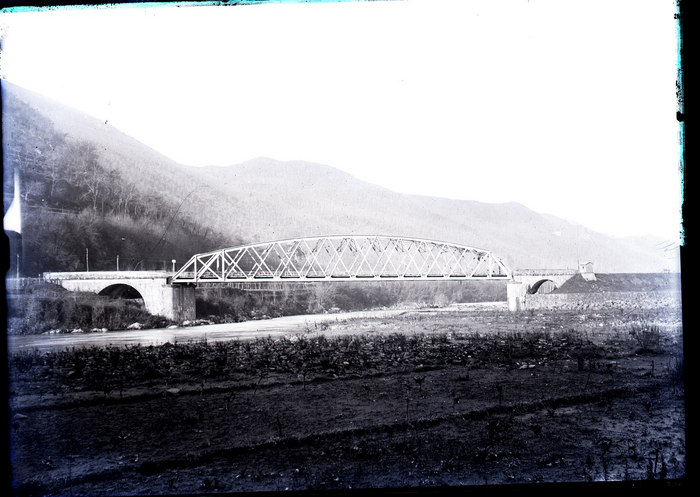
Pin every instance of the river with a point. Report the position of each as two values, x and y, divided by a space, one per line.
247 330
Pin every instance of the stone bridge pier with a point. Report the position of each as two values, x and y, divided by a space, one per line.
530 281
160 298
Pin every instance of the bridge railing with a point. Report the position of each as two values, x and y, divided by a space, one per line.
544 272
338 258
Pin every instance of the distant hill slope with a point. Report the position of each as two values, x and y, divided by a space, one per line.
623 282
259 200
290 199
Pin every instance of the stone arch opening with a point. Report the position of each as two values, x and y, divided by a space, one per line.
121 291
543 287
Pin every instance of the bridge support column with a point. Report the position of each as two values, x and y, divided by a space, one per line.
175 302
516 295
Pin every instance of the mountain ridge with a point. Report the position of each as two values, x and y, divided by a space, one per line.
264 199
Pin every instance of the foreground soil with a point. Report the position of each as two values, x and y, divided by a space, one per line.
417 400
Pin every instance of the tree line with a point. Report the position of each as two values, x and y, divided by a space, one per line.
232 304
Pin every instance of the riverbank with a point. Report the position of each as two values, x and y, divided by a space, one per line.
36 307
246 330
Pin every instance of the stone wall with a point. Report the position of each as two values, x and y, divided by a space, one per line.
606 300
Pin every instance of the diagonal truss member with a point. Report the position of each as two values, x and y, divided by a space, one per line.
343 258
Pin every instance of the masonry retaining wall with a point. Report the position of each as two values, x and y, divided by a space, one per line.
605 300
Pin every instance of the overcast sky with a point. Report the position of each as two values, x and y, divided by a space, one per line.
566 107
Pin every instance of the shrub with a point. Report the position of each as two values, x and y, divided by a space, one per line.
646 335
37 312
677 372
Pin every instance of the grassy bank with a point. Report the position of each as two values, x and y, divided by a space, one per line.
221 304
44 307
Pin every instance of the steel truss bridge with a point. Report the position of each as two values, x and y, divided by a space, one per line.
342 258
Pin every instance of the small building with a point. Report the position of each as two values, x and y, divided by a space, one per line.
586 270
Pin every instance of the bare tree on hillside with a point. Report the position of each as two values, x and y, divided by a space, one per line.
88 171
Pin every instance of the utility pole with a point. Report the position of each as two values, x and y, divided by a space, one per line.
87 261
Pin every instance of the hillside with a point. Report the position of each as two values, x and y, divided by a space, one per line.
290 199
93 197
86 185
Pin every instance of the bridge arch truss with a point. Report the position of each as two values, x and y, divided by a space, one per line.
337 258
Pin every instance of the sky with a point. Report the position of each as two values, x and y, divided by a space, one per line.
566 107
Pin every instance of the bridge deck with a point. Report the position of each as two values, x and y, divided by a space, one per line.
191 276
105 275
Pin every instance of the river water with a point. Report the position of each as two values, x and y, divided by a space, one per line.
276 327
248 330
